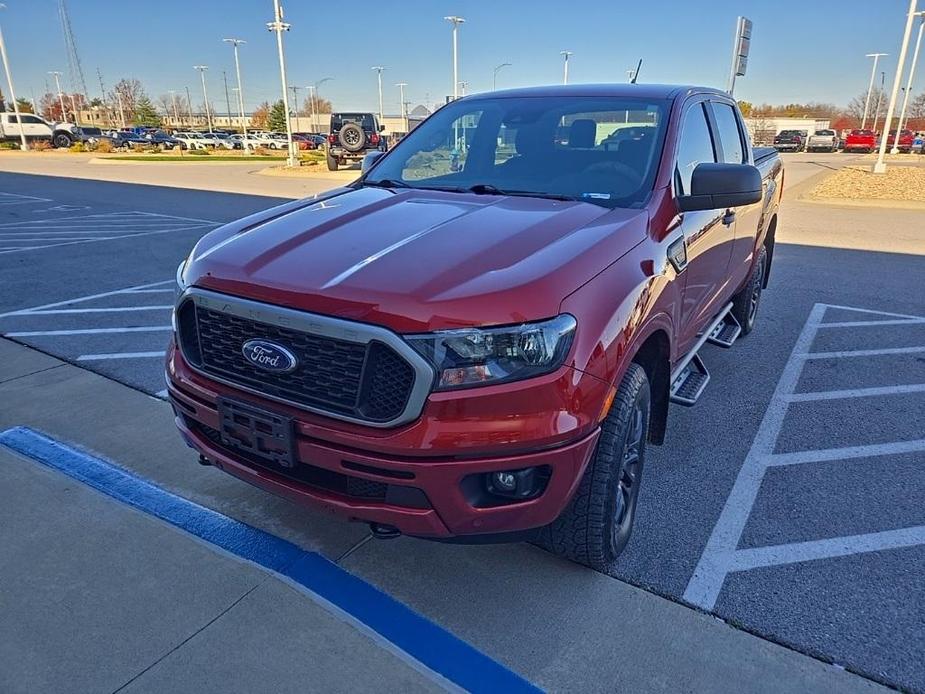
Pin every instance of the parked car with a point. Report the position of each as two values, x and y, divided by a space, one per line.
482 352
861 141
351 137
317 141
822 141
790 141
191 140
160 138
906 141
127 140
302 142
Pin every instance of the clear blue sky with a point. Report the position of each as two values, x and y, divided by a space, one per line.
802 50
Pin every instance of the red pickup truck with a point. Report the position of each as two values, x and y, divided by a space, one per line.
477 339
861 140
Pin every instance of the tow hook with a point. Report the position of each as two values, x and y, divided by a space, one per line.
204 461
384 532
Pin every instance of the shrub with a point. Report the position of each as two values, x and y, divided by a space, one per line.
41 145
104 146
77 147
262 152
198 152
9 145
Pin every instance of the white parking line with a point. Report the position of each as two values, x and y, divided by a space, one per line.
865 352
90 331
720 556
120 355
80 299
7 199
168 290
115 309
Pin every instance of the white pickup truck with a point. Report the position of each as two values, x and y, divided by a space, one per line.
822 141
37 128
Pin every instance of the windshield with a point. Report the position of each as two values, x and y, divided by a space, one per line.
602 150
825 133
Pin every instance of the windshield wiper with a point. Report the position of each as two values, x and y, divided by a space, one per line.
489 189
386 183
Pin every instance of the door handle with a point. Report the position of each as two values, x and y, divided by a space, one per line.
729 217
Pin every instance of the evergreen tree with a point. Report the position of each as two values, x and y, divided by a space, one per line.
145 113
277 118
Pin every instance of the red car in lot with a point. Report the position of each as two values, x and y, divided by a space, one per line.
478 338
906 140
861 141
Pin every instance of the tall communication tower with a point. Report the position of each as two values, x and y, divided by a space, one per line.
75 71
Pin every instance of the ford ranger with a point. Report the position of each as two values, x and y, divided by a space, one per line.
477 339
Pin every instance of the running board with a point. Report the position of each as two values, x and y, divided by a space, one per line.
690 383
690 377
726 333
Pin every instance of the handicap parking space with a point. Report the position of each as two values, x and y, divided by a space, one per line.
821 540
122 334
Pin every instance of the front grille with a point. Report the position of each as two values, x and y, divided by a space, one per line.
366 381
357 488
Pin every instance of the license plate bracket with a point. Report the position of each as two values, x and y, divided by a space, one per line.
264 435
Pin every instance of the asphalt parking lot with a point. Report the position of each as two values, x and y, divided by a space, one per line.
789 502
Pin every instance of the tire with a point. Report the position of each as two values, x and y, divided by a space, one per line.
62 140
332 163
352 137
597 524
745 303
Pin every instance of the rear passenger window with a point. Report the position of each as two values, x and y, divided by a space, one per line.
729 135
696 147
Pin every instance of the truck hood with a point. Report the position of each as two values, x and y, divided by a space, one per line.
417 260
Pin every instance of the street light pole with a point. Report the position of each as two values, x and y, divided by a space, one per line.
9 79
870 87
279 26
205 95
879 99
314 91
565 69
404 117
456 21
908 88
237 68
57 76
494 79
379 69
173 100
880 166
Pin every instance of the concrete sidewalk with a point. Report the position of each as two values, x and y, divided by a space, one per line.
98 597
561 626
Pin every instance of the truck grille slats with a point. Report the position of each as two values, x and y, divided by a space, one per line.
368 381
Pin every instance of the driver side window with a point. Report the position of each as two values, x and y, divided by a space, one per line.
695 147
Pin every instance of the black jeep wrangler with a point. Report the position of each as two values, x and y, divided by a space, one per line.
352 136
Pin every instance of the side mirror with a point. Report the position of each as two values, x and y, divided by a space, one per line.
717 186
369 160
382 128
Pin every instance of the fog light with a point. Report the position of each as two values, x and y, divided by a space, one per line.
514 484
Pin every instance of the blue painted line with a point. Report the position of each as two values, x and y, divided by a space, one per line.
423 640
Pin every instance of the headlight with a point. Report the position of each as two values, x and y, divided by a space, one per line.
474 357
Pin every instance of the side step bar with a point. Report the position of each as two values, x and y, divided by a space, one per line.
690 377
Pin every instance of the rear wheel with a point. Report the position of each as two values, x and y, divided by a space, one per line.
62 140
332 163
745 303
597 524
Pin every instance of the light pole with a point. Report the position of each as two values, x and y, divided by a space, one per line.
908 89
205 95
879 100
295 97
870 87
314 90
565 69
279 26
379 69
880 166
455 21
57 76
173 100
494 78
401 90
237 68
9 79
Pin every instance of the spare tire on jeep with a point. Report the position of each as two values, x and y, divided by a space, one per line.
352 138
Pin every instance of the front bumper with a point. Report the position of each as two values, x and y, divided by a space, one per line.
435 457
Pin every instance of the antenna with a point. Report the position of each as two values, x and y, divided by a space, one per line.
75 71
636 75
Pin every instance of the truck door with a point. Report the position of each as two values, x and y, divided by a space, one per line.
708 237
734 149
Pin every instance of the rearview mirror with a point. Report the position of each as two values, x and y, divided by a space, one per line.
369 160
717 186
382 128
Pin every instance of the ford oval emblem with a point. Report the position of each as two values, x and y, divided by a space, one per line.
269 356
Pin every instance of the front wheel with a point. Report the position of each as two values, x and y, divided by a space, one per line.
596 526
62 140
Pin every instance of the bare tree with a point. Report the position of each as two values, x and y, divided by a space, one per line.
917 106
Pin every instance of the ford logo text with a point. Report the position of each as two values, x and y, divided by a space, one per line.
269 356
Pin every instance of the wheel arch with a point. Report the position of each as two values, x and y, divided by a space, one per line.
769 246
654 356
